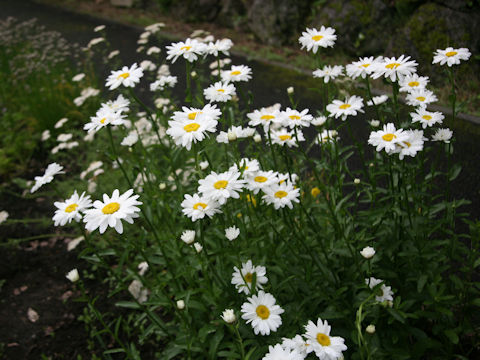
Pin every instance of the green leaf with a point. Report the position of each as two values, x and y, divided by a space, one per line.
476 263
452 335
217 338
127 304
397 315
422 280
476 302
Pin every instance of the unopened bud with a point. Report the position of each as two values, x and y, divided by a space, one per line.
229 316
180 304
257 138
370 329
290 90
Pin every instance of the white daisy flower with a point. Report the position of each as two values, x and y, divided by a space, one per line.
45 135
184 132
421 97
71 209
319 121
413 82
64 137
261 180
248 167
163 82
328 72
147 65
3 216
385 293
99 28
442 135
377 100
243 278
237 73
374 123
326 347
95 41
281 195
326 136
262 312
153 50
111 211
73 275
219 92
277 352
292 118
196 207
265 117
312 39
104 117
127 77
368 252
78 77
284 137
297 343
427 118
234 133
220 187
154 27
387 138
345 108
188 237
394 68
190 50
450 56
232 233
228 316
113 54
209 111
412 144
219 46
362 67
52 170
120 104
131 139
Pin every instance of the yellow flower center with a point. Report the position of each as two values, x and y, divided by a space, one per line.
317 37
280 194
236 72
220 184
323 339
248 277
294 117
191 127
407 143
103 121
284 137
124 75
252 200
111 208
364 65
388 137
451 53
263 312
193 115
70 208
421 98
344 106
392 65
427 117
200 204
315 192
260 179
267 117
186 48
221 90
413 83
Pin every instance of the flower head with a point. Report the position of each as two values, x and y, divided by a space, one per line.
232 233
385 293
281 195
367 252
421 97
52 170
196 207
443 135
412 144
243 278
188 237
262 312
328 72
71 209
220 187
345 108
237 73
277 352
294 118
320 341
73 275
427 118
284 137
394 68
451 56
413 82
219 92
387 138
190 50
312 39
228 316
362 67
127 77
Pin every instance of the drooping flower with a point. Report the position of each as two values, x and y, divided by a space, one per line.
262 312
219 46
228 316
443 135
232 233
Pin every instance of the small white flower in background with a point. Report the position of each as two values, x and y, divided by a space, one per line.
243 278
277 352
222 186
290 90
130 140
220 92
319 121
32 315
198 247
296 343
263 313
113 54
232 233
180 304
367 252
73 275
71 209
427 118
327 136
60 123
284 137
385 292
377 100
228 316
345 108
99 28
154 27
450 56
236 73
95 41
387 138
223 46
85 94
394 68
163 82
92 167
104 117
145 35
281 195
421 97
127 77
193 74
196 207
147 65
203 165
92 186
443 135
413 82
153 50
374 123
59 147
142 268
138 291
293 118
190 50
328 72
162 186
356 181
52 170
326 347
188 237
142 41
140 49
78 77
3 216
370 329
45 135
64 137
111 211
74 243
362 67
312 39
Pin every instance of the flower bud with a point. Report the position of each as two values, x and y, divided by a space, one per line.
198 247
229 316
231 136
356 181
367 252
162 186
203 165
193 74
290 90
180 304
73 275
257 138
188 237
370 329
